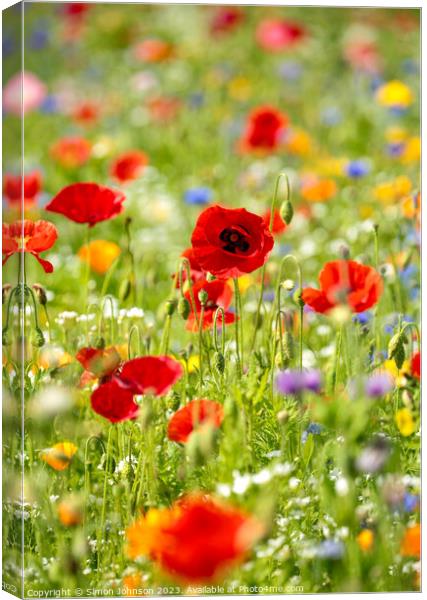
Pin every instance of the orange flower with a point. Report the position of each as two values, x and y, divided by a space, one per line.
133 585
153 50
319 190
129 165
59 456
71 152
365 539
411 542
70 512
195 540
193 416
100 254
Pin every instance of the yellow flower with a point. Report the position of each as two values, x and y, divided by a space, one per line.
365 211
396 135
392 191
52 357
330 166
405 422
101 255
365 539
245 281
398 375
298 142
59 456
192 364
240 88
411 151
394 94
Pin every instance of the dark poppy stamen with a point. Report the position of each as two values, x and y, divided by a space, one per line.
235 241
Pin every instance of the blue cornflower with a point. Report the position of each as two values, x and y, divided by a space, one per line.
357 168
198 195
330 549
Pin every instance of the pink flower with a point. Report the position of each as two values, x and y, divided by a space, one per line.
34 92
277 35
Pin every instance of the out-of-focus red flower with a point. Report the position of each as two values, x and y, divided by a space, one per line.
277 35
99 362
229 242
87 203
345 282
86 113
264 130
193 416
153 50
71 152
150 375
196 540
29 236
129 165
226 19
75 9
363 55
416 365
164 109
113 402
14 188
23 93
279 224
219 295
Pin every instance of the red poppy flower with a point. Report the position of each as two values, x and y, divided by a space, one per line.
345 282
29 236
86 113
225 19
196 540
129 165
264 130
277 35
416 365
279 224
114 402
219 295
13 187
71 152
150 374
99 362
87 203
229 242
192 416
164 109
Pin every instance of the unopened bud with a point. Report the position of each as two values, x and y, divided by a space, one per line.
100 343
283 416
170 307
219 362
287 212
203 297
38 338
184 308
288 285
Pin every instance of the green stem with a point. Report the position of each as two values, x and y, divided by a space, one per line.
202 314
132 330
236 324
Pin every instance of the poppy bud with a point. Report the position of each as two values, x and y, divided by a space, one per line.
287 212
396 349
184 308
298 299
100 343
344 252
125 289
38 338
219 362
170 307
40 293
203 297
288 345
6 291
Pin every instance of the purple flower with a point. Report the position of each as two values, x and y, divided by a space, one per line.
290 382
411 502
330 549
312 380
378 385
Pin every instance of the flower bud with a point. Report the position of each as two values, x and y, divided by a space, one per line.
184 308
170 307
38 338
219 362
283 416
287 212
288 285
203 297
40 293
100 343
281 361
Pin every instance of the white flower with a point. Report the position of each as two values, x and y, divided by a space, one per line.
341 486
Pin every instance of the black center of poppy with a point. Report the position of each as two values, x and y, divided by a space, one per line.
235 241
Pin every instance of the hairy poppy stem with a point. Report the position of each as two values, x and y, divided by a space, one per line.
202 314
132 330
237 305
270 227
87 269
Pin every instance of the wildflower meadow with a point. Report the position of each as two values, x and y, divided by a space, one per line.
211 300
